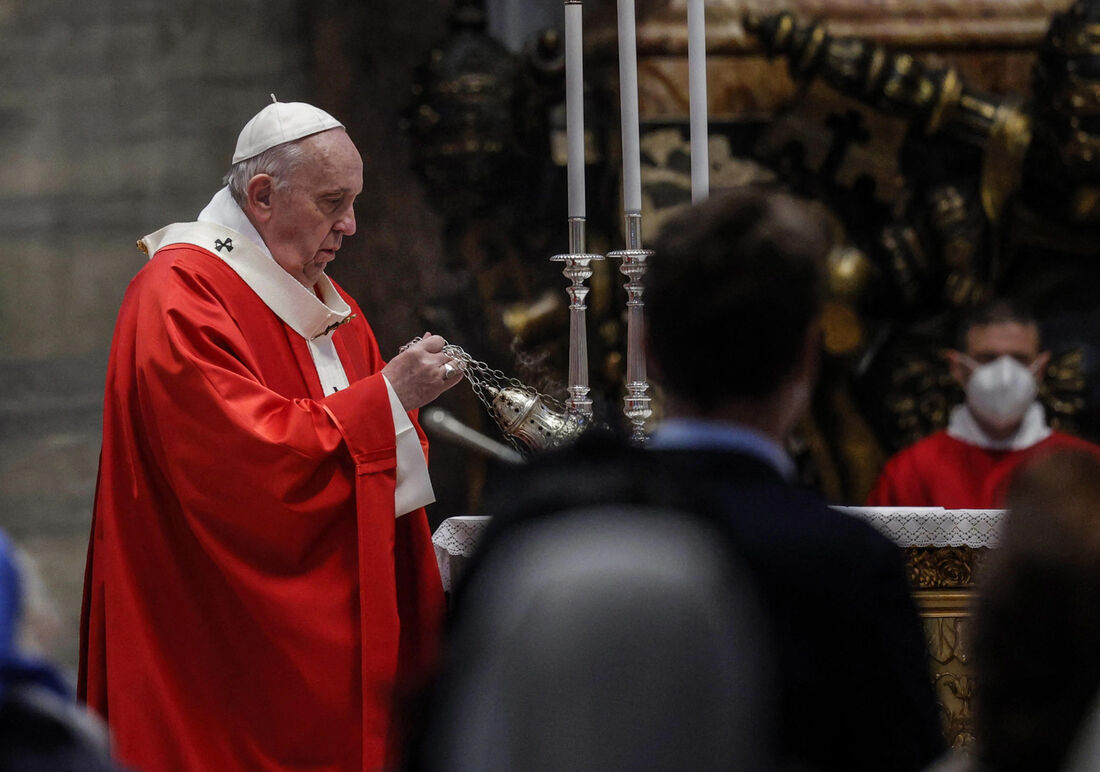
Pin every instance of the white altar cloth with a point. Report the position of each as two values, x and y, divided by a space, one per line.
455 541
457 537
933 526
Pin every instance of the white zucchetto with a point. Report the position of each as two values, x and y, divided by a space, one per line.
278 123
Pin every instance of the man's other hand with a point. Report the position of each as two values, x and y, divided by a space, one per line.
422 372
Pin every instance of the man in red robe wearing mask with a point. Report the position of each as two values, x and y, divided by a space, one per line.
261 583
1000 426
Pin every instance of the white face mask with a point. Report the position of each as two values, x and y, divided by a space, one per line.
1001 391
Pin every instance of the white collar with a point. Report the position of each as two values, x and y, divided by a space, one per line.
223 210
1033 429
224 229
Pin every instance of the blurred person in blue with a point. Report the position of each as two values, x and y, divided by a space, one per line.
41 725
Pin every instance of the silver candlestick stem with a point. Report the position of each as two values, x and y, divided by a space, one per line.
577 269
636 402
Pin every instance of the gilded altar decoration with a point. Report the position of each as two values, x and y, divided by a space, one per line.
948 636
958 719
943 588
996 198
943 567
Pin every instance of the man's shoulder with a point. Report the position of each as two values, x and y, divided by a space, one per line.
181 264
212 238
780 529
755 501
600 467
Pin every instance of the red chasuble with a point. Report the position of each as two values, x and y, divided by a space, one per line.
250 602
943 471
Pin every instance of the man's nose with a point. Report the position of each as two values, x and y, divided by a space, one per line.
346 224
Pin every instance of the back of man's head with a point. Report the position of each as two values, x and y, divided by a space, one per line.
732 289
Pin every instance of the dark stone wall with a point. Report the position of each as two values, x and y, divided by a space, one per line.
363 56
117 118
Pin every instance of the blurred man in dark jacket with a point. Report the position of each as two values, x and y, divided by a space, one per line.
733 300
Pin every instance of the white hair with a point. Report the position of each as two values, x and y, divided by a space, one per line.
279 162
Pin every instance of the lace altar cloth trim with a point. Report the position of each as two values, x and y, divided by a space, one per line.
457 537
454 542
933 526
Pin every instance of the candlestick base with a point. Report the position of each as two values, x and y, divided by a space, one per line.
637 411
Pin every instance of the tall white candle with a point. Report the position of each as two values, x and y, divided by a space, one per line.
574 106
697 99
628 95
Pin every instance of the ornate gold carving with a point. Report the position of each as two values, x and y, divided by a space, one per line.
842 328
942 567
783 32
958 721
920 394
813 46
948 639
951 89
664 154
890 81
533 323
849 272
1063 389
1085 41
1009 139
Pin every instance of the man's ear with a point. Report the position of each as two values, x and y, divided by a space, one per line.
1039 366
259 192
959 371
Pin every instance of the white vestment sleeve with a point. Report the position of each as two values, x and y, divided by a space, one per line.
414 487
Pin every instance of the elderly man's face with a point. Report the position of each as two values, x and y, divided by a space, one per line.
311 216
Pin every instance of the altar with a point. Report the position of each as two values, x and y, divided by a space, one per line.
943 548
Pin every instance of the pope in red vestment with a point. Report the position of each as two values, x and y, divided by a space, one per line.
254 598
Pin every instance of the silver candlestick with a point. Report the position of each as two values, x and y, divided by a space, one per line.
636 402
577 269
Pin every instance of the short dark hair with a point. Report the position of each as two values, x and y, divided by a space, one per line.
996 311
1037 622
732 288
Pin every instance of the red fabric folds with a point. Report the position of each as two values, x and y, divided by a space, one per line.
942 471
